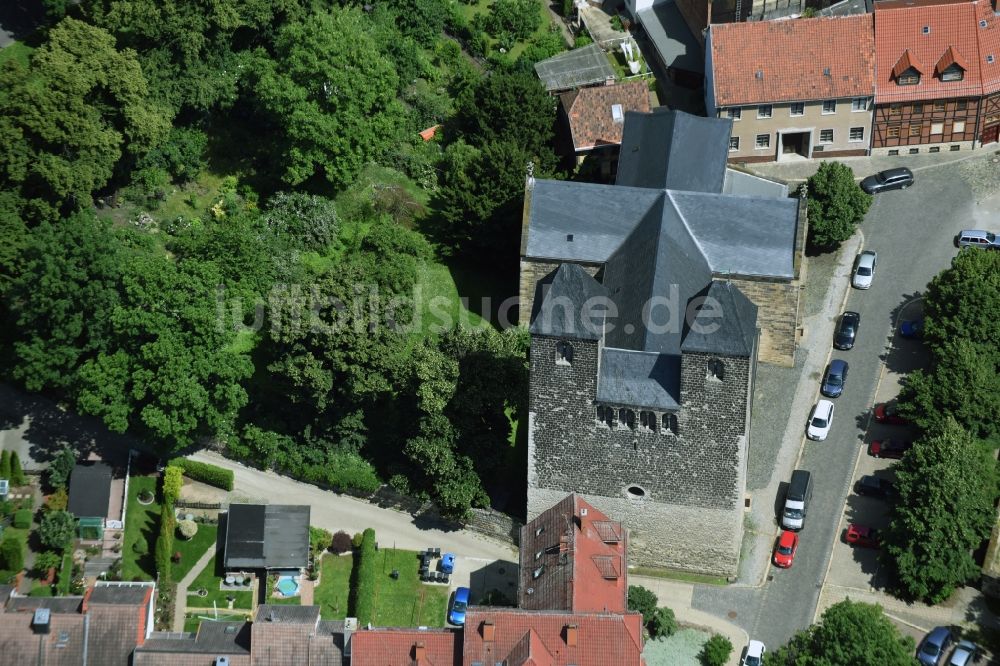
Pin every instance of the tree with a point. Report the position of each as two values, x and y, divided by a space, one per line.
423 20
517 18
16 470
947 487
716 651
319 539
963 301
57 529
11 554
187 528
58 500
173 481
330 94
61 467
304 221
341 543
45 561
68 120
642 600
5 465
456 486
836 204
662 623
849 633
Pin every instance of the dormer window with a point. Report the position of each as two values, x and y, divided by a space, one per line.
564 353
953 73
951 65
910 77
908 70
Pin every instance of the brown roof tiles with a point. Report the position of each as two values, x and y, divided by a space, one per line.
591 119
405 647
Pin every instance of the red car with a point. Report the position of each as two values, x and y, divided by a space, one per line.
784 552
865 537
889 448
885 412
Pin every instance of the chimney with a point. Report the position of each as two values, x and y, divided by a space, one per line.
571 635
419 653
40 621
489 631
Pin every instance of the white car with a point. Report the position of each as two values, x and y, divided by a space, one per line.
820 421
864 270
754 655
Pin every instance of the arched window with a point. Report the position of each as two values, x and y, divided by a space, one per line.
635 492
564 353
647 421
626 417
605 416
670 423
716 369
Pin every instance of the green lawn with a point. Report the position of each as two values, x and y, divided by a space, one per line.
405 602
18 51
192 549
441 309
140 521
210 579
192 620
65 580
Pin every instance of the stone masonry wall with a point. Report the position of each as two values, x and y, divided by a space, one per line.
778 316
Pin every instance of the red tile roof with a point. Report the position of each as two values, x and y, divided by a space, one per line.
405 647
905 62
552 638
762 62
926 33
590 117
989 45
573 558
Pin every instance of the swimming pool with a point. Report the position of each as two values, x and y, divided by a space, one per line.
288 586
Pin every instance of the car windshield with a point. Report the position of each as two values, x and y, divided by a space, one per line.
459 606
880 178
991 237
930 649
753 661
785 550
835 380
864 270
793 513
818 422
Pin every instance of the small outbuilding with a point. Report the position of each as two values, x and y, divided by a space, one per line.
90 497
266 536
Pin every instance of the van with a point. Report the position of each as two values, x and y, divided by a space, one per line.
797 500
977 238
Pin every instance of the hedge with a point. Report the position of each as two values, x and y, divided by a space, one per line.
22 518
363 589
65 579
172 483
213 475
165 542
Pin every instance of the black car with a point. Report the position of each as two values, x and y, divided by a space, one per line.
833 380
875 486
890 179
847 330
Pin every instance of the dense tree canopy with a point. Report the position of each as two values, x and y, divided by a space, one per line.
836 205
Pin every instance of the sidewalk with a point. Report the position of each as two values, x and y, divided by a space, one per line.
800 169
677 596
180 594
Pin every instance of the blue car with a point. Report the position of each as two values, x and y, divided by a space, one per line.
448 563
834 379
934 646
456 615
911 329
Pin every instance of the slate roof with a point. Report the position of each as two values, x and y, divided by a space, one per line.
900 37
589 111
748 70
584 66
725 325
400 647
672 38
89 490
740 182
562 308
295 635
272 536
543 638
213 639
566 562
639 379
653 141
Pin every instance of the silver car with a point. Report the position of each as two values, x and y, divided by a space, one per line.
864 269
966 652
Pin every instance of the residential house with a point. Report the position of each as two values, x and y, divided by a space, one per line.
929 71
626 372
403 647
819 107
595 118
675 36
271 536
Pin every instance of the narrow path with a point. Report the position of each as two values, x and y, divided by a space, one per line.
180 594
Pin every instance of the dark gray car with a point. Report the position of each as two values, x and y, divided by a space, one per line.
833 380
934 646
890 179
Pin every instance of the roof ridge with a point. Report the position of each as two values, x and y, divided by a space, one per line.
687 227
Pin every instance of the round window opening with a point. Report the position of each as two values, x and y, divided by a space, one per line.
635 492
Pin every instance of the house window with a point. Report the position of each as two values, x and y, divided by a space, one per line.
914 130
954 148
626 418
961 105
935 149
958 126
716 369
892 132
734 113
605 416
764 111
763 141
857 134
734 143
670 423
859 104
952 73
908 78
918 108
895 109
797 109
914 151
893 153
818 149
648 421
939 106
826 136
830 106
564 353
937 128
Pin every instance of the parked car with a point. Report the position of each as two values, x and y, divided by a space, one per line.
784 551
911 328
864 269
862 536
847 331
456 614
820 421
885 412
875 486
447 564
834 379
899 178
889 448
934 646
977 238
754 655
966 652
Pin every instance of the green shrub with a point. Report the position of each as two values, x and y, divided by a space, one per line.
363 589
11 554
57 529
187 528
642 601
5 465
22 519
57 501
141 546
356 540
16 471
165 542
319 539
662 623
173 481
40 590
716 651
213 475
341 542
45 561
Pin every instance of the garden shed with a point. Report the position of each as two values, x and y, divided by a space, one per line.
90 497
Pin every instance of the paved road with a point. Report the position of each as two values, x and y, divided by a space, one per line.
912 231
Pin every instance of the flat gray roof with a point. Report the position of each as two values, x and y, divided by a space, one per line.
272 536
584 66
672 38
